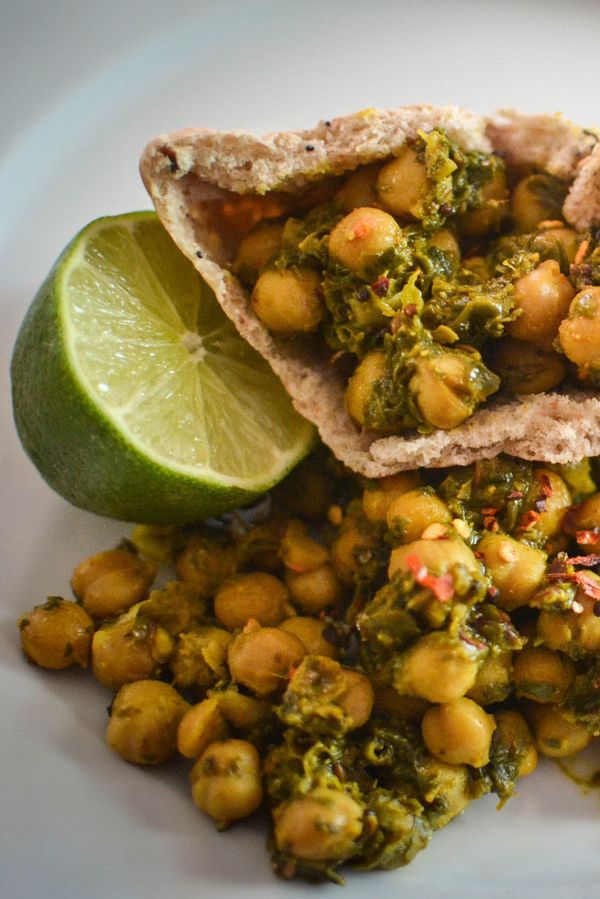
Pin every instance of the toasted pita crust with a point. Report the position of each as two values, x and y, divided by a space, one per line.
210 187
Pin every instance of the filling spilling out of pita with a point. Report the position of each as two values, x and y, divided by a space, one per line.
437 279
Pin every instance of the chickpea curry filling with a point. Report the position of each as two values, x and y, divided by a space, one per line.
436 280
363 658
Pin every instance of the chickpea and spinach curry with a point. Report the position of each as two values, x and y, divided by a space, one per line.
363 658
436 280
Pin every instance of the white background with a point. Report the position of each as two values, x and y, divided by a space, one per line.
83 86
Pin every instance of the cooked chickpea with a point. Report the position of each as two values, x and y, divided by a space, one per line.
260 658
557 733
360 385
437 668
256 595
110 582
226 781
348 547
494 679
288 301
359 189
459 732
542 675
361 237
199 658
310 632
517 570
298 551
489 217
157 542
316 589
413 512
543 297
513 731
389 702
379 495
204 563
323 825
57 634
256 249
584 524
447 790
557 243
577 628
438 556
357 699
524 368
532 202
143 722
200 726
240 710
403 184
579 333
445 240
126 651
438 385
478 266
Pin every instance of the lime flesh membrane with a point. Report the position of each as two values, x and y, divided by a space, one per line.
134 395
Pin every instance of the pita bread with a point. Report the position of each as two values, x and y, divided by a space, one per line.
210 187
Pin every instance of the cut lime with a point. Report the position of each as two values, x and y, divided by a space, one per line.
134 395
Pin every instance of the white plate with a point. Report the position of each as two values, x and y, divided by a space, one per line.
84 86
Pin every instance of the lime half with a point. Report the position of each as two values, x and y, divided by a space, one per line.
133 393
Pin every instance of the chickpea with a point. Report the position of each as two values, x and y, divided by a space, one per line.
478 266
143 722
557 243
532 202
288 301
226 782
447 790
488 217
513 731
298 551
413 512
542 675
557 733
441 386
524 368
543 297
403 184
57 634
316 589
584 524
459 732
494 679
389 702
438 668
517 570
110 582
574 629
379 495
323 696
579 333
200 726
157 542
199 658
370 369
205 563
310 632
359 189
256 249
445 240
242 711
351 544
260 658
357 699
323 825
438 556
361 237
127 651
256 595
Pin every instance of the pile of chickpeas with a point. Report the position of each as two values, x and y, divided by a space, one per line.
270 629
554 329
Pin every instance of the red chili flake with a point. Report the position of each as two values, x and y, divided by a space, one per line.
587 537
514 494
490 510
478 554
589 561
381 286
493 592
589 585
546 486
360 231
442 587
490 523
529 520
410 309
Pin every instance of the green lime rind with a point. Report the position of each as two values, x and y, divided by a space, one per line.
81 454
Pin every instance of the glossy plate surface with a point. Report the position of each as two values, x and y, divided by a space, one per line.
85 85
